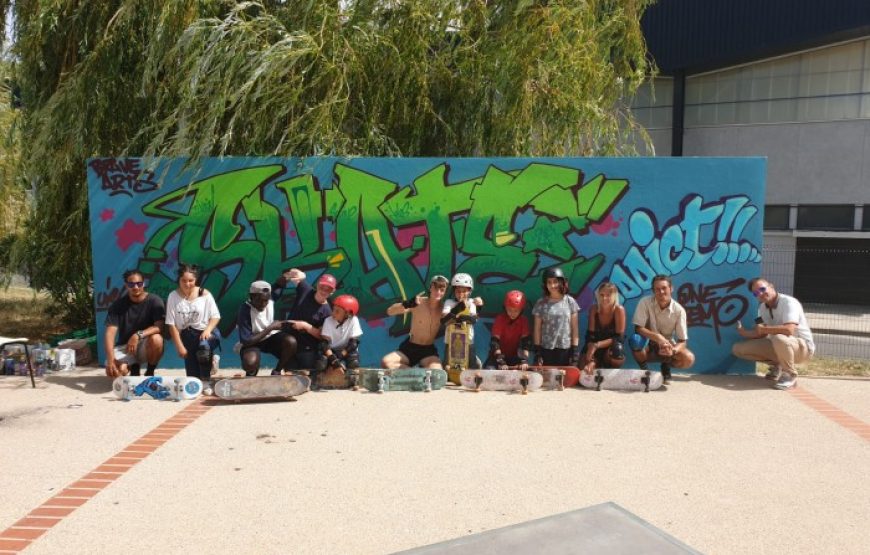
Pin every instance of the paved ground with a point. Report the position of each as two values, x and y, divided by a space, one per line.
724 464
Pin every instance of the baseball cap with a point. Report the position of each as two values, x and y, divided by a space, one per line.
260 286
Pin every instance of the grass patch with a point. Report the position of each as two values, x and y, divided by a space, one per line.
24 313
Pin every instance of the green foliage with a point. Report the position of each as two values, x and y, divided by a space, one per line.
308 77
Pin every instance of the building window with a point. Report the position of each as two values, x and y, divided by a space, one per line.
828 84
653 104
776 217
865 224
830 217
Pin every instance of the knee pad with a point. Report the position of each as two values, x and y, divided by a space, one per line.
616 349
637 342
203 355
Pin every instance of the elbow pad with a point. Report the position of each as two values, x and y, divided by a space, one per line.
494 344
458 308
352 345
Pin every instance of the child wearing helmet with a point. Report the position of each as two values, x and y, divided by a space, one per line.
462 308
340 335
604 337
511 337
556 333
309 310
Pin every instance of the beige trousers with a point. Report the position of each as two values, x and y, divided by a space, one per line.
782 350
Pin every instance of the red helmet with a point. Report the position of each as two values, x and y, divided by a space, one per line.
347 302
515 299
328 279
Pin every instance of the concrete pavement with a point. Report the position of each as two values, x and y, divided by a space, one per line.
725 464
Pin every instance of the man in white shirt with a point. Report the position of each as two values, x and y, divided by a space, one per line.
660 330
781 336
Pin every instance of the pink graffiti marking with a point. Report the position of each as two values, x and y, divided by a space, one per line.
107 215
607 226
405 238
130 233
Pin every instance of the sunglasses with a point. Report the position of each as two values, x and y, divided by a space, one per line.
132 284
760 291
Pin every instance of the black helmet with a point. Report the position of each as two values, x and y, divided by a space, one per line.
552 273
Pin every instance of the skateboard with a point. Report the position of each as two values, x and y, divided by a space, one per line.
457 349
157 387
338 378
622 378
377 380
558 377
262 387
501 380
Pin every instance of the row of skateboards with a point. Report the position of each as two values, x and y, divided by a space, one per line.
380 381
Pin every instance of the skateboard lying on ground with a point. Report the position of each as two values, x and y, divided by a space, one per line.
501 380
157 387
622 378
403 379
262 387
558 377
338 378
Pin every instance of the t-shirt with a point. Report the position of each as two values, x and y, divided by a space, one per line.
251 321
510 332
131 317
305 308
556 321
470 310
669 321
340 334
195 314
788 310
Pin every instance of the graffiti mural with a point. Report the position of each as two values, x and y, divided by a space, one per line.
384 226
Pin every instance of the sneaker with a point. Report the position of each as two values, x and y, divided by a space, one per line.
773 372
666 373
206 388
276 372
786 381
215 360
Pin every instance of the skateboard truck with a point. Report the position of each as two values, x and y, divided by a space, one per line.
478 380
598 379
645 381
382 382
427 381
560 383
524 381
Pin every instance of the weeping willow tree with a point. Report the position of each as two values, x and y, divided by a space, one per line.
301 78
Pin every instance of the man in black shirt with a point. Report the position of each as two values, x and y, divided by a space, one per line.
134 325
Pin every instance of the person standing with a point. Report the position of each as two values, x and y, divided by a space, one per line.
661 333
781 336
134 324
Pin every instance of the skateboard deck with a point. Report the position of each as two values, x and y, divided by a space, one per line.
157 387
337 378
622 378
457 349
262 387
501 380
570 376
404 379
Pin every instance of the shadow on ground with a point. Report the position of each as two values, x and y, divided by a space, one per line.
86 384
729 382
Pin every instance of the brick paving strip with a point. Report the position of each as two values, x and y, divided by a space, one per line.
41 519
844 419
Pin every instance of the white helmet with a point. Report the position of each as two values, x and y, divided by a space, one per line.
462 280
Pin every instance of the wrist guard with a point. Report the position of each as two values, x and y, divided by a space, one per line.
458 308
410 303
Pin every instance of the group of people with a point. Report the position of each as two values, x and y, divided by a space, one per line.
318 335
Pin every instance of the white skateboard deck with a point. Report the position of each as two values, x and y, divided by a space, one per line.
501 380
157 387
630 379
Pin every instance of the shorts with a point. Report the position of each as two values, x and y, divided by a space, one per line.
123 357
270 345
416 353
